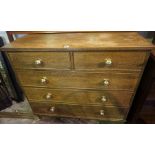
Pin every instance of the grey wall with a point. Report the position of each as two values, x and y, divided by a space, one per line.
146 34
4 36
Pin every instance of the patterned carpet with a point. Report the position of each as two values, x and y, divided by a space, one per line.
46 121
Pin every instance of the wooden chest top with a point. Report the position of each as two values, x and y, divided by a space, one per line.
80 41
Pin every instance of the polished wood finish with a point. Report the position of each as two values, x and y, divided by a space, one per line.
82 60
11 34
49 60
120 60
72 78
79 80
81 97
80 41
91 112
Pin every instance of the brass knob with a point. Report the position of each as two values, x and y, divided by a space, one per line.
102 112
66 46
52 109
106 82
48 96
44 79
16 111
108 61
103 99
38 62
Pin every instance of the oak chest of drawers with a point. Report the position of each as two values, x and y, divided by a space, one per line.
81 75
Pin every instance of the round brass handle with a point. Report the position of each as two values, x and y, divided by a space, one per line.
16 111
66 46
44 80
102 112
106 82
52 109
38 62
108 61
48 96
103 99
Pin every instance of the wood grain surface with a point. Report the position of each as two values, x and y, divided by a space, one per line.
82 97
79 80
120 60
49 60
74 72
78 41
90 112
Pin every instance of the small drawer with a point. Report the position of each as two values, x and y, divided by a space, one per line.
67 96
57 110
109 60
40 60
106 80
102 112
87 112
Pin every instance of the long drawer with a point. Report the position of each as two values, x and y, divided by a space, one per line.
66 79
90 112
67 96
40 60
109 60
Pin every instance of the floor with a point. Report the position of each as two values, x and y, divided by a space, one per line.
46 121
25 108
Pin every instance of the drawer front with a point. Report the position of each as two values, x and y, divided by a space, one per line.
57 110
102 112
106 80
67 96
109 60
49 60
90 112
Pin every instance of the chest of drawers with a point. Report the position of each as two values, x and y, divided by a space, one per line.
81 75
